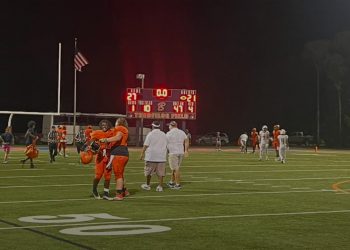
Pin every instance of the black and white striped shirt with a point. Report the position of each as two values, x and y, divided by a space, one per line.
52 136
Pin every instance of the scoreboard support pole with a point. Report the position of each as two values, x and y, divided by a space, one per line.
137 133
183 125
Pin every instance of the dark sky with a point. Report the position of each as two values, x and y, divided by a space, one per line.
244 57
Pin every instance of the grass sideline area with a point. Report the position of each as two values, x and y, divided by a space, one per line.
229 200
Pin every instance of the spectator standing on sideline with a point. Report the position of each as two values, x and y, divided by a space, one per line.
189 136
30 137
218 141
52 138
177 148
7 139
154 153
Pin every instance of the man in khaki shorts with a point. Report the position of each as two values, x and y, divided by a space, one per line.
177 148
154 153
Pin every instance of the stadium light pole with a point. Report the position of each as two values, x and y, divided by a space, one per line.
142 78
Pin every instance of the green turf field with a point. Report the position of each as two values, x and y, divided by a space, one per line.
229 200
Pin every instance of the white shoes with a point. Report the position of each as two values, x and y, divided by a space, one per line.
159 189
146 187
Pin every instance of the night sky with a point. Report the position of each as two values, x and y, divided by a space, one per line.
244 57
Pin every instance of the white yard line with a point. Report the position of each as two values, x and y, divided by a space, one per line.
302 213
188 173
187 181
178 195
281 186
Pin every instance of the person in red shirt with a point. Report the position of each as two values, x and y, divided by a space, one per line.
275 143
254 139
119 155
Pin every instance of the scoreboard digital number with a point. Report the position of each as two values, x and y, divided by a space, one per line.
161 103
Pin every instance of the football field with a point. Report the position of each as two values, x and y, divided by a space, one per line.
229 200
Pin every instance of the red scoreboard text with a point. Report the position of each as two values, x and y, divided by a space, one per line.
161 103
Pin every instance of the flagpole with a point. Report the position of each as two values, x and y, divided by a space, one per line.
59 78
75 93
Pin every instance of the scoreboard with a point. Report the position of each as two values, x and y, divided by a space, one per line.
161 103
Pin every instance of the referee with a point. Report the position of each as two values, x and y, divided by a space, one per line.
52 141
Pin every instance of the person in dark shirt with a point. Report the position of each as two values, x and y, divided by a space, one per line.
52 139
30 137
7 140
80 139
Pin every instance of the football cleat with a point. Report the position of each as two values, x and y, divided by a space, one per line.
146 187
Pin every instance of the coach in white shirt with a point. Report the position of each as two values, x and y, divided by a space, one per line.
154 153
177 148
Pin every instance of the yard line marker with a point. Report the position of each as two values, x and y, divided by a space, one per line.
303 213
302 188
177 195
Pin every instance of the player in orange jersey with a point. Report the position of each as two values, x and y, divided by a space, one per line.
102 157
275 143
87 132
254 139
62 140
119 155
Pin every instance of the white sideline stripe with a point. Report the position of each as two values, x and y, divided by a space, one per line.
176 195
182 219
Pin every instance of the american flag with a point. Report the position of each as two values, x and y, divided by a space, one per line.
79 61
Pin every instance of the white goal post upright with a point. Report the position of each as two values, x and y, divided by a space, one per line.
58 95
